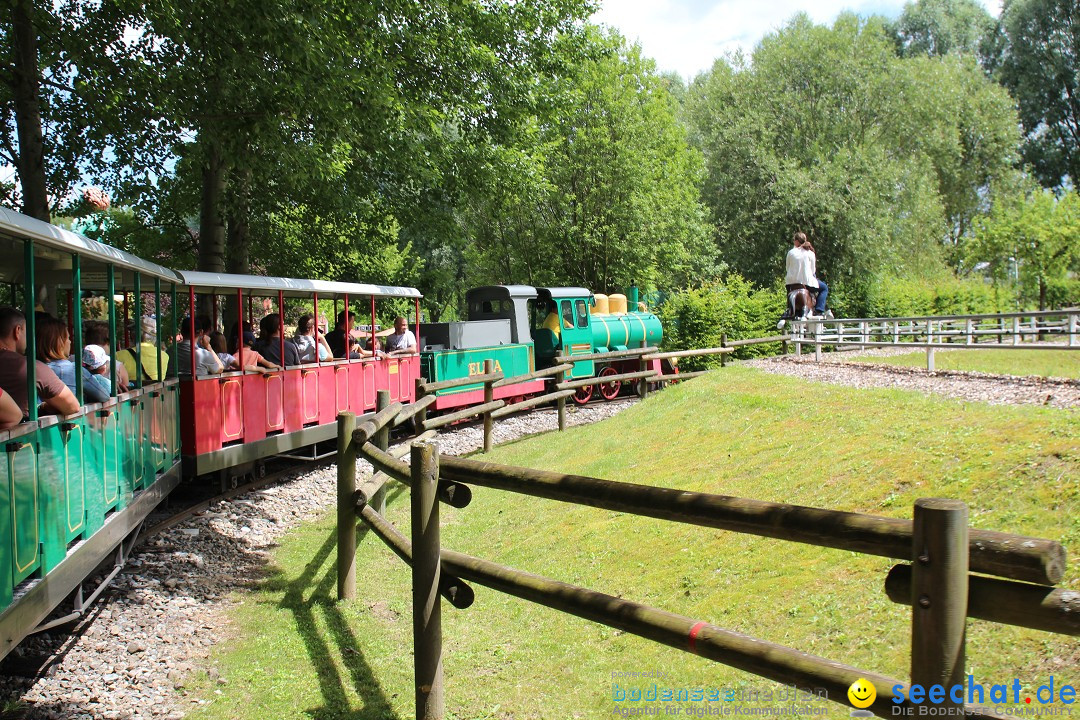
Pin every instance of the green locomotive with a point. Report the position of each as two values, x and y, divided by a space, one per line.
521 328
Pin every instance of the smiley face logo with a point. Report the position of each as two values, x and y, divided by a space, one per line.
862 693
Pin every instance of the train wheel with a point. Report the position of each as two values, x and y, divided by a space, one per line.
583 395
609 390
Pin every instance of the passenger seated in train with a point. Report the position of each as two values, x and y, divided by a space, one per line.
10 413
401 341
150 366
96 332
305 341
206 360
269 344
51 391
252 359
54 349
95 362
335 339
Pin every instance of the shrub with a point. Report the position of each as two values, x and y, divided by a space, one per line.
697 317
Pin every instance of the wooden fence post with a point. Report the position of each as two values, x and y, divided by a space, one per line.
427 607
420 417
381 440
1072 329
346 507
489 395
643 387
561 402
939 595
723 343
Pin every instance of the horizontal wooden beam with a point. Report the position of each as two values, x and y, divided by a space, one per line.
994 553
1040 607
690 353
758 341
535 375
531 402
459 382
597 380
613 355
438 422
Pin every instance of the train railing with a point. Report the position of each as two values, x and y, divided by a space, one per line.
938 548
1043 330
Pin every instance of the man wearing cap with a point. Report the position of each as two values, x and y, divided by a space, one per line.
96 362
150 364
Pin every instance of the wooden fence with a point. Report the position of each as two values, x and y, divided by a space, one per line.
937 547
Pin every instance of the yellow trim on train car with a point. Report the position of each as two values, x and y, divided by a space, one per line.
110 420
67 478
241 431
15 514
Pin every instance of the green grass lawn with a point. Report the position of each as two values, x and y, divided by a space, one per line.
295 653
1044 363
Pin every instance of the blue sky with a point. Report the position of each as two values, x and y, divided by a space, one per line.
687 35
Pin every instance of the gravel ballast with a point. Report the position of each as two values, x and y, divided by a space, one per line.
163 614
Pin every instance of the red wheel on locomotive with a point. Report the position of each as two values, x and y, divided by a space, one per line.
609 390
583 395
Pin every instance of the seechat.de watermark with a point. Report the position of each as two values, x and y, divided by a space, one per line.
1053 698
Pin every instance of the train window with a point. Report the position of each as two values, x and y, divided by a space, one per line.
582 316
568 314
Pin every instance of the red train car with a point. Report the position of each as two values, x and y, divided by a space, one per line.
237 417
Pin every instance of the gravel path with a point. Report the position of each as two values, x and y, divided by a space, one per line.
161 617
835 368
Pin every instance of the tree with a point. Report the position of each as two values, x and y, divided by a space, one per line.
881 159
73 100
1033 240
605 193
944 27
1041 68
338 104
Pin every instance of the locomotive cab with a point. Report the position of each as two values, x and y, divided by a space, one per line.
560 321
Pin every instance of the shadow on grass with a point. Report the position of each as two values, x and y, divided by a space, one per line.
308 596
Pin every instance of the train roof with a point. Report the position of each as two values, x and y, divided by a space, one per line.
17 227
514 291
564 292
290 287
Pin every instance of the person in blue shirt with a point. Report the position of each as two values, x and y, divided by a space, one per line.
54 349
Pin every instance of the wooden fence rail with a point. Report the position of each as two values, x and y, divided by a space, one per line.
937 542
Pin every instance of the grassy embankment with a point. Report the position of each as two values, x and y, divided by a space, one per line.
295 653
1043 363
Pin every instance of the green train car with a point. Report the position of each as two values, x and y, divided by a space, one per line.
521 328
75 488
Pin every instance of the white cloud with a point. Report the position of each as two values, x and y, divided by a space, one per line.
688 35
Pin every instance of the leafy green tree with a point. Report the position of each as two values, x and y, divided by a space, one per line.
944 27
1041 67
73 91
603 191
881 160
1033 240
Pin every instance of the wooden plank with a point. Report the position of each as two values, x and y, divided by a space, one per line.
459 382
613 355
689 353
535 375
438 422
570 384
532 402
